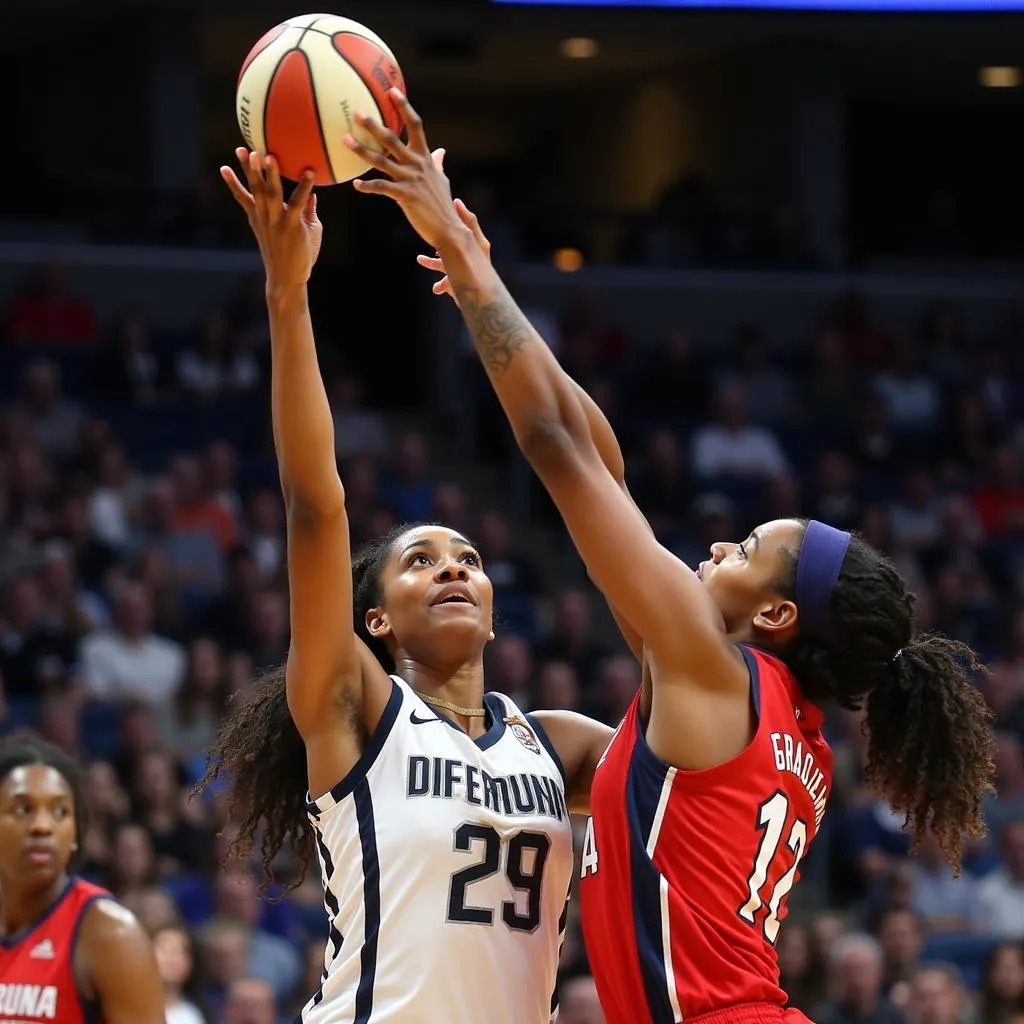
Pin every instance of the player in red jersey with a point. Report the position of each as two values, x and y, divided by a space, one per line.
68 951
714 785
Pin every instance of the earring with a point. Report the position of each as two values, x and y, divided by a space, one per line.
490 636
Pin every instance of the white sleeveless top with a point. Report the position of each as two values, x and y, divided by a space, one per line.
446 864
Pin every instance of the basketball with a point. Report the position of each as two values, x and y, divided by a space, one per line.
301 86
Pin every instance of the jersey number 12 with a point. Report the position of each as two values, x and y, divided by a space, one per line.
771 822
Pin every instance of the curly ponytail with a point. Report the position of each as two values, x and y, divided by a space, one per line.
930 741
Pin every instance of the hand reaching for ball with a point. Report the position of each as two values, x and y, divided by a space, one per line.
436 263
288 233
417 179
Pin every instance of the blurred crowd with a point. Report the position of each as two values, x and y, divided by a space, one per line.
142 583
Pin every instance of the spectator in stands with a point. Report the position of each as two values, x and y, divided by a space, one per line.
661 487
265 532
267 956
47 312
250 1001
871 441
1000 901
154 908
133 866
110 503
407 489
225 947
217 365
916 517
944 903
220 465
902 938
671 385
267 634
578 1002
513 575
195 510
856 969
131 371
357 429
829 392
69 609
176 960
837 503
618 679
1007 803
159 808
189 720
227 618
557 688
1001 993
799 977
53 422
1000 500
572 639
944 342
971 435
911 397
129 660
767 392
936 995
730 447
36 656
189 546
510 667
450 506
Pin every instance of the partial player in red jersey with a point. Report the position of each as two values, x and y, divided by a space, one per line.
714 785
68 951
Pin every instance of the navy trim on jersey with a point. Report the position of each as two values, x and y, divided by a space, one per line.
548 745
643 791
371 903
10 941
493 704
498 711
370 754
754 668
335 937
90 1007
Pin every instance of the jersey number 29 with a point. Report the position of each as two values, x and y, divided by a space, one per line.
524 856
771 822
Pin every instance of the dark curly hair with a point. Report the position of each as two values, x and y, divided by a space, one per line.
259 752
930 740
21 749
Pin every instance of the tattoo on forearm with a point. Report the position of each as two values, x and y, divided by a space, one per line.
496 323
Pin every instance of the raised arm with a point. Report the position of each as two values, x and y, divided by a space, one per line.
325 672
654 592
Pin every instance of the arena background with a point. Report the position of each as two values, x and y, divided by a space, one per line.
783 251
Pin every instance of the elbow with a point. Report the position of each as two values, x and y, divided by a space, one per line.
323 504
550 446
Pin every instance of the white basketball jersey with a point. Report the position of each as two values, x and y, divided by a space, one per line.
446 864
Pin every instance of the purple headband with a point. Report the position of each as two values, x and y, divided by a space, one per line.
817 569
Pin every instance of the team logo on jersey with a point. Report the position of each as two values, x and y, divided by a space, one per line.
43 951
523 733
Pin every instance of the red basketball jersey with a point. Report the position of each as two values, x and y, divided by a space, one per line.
685 873
37 977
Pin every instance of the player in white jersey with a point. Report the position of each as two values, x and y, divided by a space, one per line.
440 816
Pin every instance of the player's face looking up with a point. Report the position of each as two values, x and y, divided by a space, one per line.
742 580
435 599
37 825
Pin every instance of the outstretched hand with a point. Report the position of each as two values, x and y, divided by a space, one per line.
288 233
417 179
436 263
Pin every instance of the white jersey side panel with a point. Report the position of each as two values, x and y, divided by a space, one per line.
446 864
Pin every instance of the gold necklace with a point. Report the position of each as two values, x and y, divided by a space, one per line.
449 706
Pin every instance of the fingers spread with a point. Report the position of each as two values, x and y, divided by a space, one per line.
375 158
417 137
385 137
238 190
300 197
